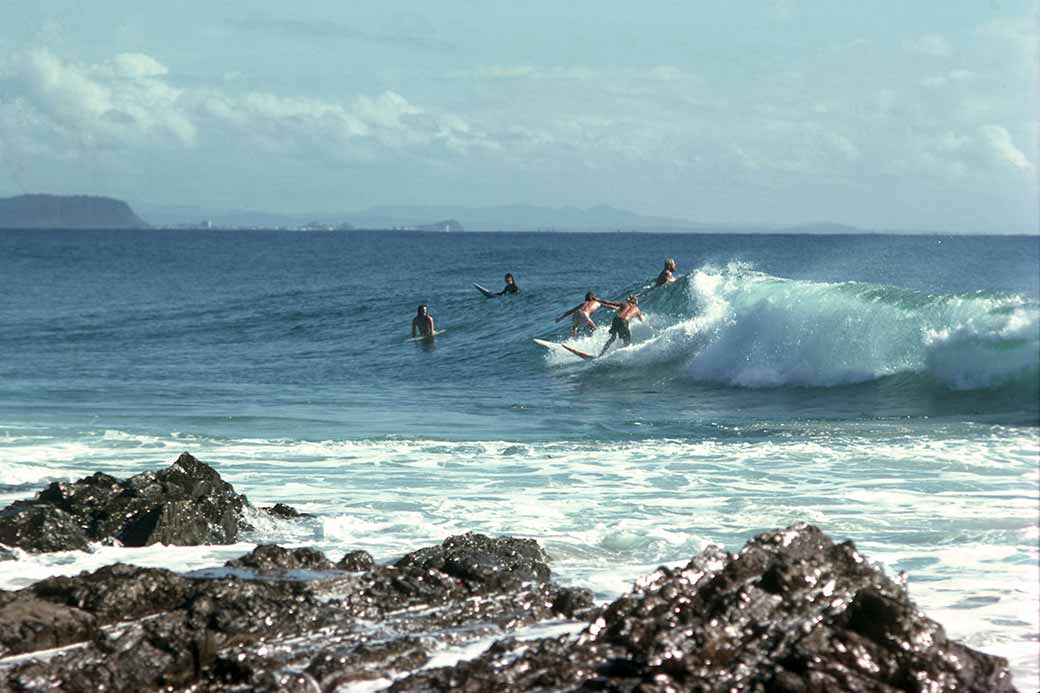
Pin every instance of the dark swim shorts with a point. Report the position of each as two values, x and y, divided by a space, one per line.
619 327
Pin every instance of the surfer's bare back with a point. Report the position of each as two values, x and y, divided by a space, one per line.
583 312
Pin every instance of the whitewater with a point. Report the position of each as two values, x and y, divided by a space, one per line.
882 388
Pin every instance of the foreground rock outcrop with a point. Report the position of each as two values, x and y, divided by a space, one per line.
792 611
187 504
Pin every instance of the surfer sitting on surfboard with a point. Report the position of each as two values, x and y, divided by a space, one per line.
619 326
422 324
583 312
511 287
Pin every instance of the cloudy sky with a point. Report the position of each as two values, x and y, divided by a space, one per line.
878 114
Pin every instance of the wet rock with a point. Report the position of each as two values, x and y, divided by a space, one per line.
28 625
39 528
185 504
285 512
270 557
482 562
791 612
7 555
356 561
117 592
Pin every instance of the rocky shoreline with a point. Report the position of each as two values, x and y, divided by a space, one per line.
791 611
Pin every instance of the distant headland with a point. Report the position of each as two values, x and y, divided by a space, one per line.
67 212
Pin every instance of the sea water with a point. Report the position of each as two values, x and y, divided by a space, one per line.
884 388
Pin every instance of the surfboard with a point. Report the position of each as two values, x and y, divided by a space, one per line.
436 333
551 345
487 292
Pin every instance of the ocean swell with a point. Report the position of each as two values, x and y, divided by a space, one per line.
739 327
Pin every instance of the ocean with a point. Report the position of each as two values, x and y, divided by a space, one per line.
884 388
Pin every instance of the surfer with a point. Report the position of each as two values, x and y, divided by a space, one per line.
619 326
422 324
667 274
583 312
511 287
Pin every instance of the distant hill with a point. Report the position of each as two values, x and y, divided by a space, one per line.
519 218
67 212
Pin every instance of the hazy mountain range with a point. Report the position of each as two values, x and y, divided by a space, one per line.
62 211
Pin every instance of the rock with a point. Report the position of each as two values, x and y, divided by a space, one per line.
356 561
28 625
791 612
270 557
8 555
39 528
285 512
117 592
185 504
483 563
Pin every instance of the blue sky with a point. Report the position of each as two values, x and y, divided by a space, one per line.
878 114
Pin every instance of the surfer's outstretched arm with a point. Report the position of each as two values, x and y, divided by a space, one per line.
569 312
611 304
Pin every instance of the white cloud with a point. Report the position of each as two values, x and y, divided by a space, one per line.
139 65
933 45
844 146
947 78
1003 148
113 103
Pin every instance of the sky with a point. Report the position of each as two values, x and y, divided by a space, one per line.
878 114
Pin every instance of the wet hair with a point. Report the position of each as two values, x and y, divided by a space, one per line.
670 262
590 296
420 309
633 299
509 275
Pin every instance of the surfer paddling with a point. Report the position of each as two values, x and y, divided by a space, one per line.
619 326
667 275
422 324
511 287
583 312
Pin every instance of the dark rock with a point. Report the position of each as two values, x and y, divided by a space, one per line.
40 527
7 555
482 562
28 625
285 512
270 557
791 612
356 561
117 592
185 504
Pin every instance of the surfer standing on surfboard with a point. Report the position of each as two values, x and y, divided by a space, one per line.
583 312
619 326
511 287
422 324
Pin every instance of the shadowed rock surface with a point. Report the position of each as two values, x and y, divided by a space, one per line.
792 611
185 504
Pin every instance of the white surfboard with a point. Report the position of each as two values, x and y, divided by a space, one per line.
552 345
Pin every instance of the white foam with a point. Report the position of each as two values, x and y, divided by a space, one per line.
958 513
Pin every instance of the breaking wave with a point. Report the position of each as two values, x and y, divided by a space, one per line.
739 327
